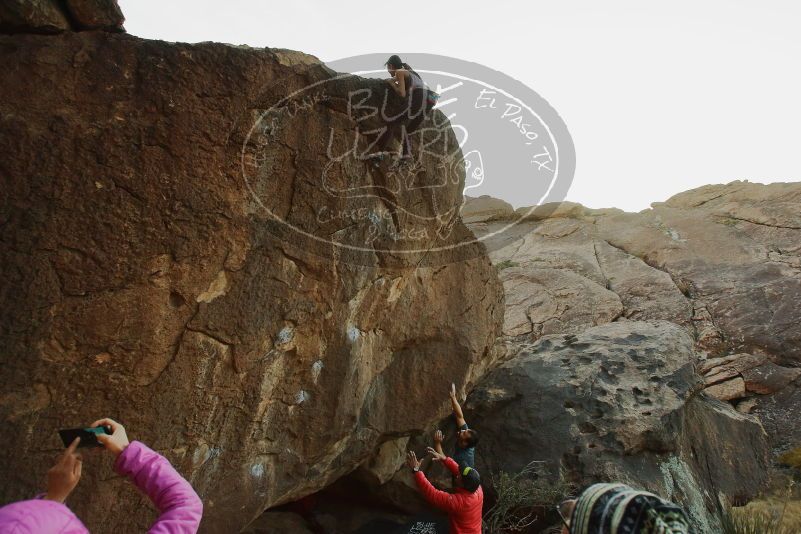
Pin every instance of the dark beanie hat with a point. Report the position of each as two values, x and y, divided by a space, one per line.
471 480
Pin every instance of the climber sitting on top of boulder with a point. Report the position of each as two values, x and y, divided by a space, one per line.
180 509
466 437
410 86
464 506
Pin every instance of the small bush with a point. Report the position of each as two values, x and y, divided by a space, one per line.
792 458
751 521
769 515
728 221
505 264
523 498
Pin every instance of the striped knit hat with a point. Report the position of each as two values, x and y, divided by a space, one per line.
619 509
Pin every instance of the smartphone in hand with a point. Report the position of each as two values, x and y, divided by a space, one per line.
88 436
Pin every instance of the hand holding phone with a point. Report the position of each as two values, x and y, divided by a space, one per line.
116 440
88 436
106 433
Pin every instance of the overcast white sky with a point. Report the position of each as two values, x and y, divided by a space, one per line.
659 97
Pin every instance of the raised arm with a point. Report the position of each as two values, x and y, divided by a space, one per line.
449 463
457 410
398 82
438 437
180 508
441 499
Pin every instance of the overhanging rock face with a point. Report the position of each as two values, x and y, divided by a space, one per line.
165 266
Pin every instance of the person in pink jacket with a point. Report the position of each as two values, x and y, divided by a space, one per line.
180 509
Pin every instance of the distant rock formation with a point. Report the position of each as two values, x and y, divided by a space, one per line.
710 280
722 261
143 280
695 260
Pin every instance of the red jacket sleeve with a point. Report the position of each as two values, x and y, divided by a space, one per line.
180 509
441 499
451 465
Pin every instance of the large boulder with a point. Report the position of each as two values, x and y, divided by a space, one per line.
620 402
95 14
34 16
699 292
735 251
722 262
54 16
165 262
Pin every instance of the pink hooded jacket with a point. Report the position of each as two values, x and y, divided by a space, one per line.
180 509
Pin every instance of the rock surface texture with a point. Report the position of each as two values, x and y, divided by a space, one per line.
55 16
723 262
616 322
619 331
620 402
194 245
143 277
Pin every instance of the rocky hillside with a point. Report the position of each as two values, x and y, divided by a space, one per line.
657 348
164 262
194 244
722 262
622 328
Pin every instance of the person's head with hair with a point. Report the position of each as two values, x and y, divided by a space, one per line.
619 509
467 438
395 62
468 478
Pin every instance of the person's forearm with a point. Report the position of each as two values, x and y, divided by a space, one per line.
438 498
457 410
451 465
438 448
395 84
180 508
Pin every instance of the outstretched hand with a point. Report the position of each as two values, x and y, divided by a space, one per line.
412 461
117 440
457 410
435 456
438 436
64 476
